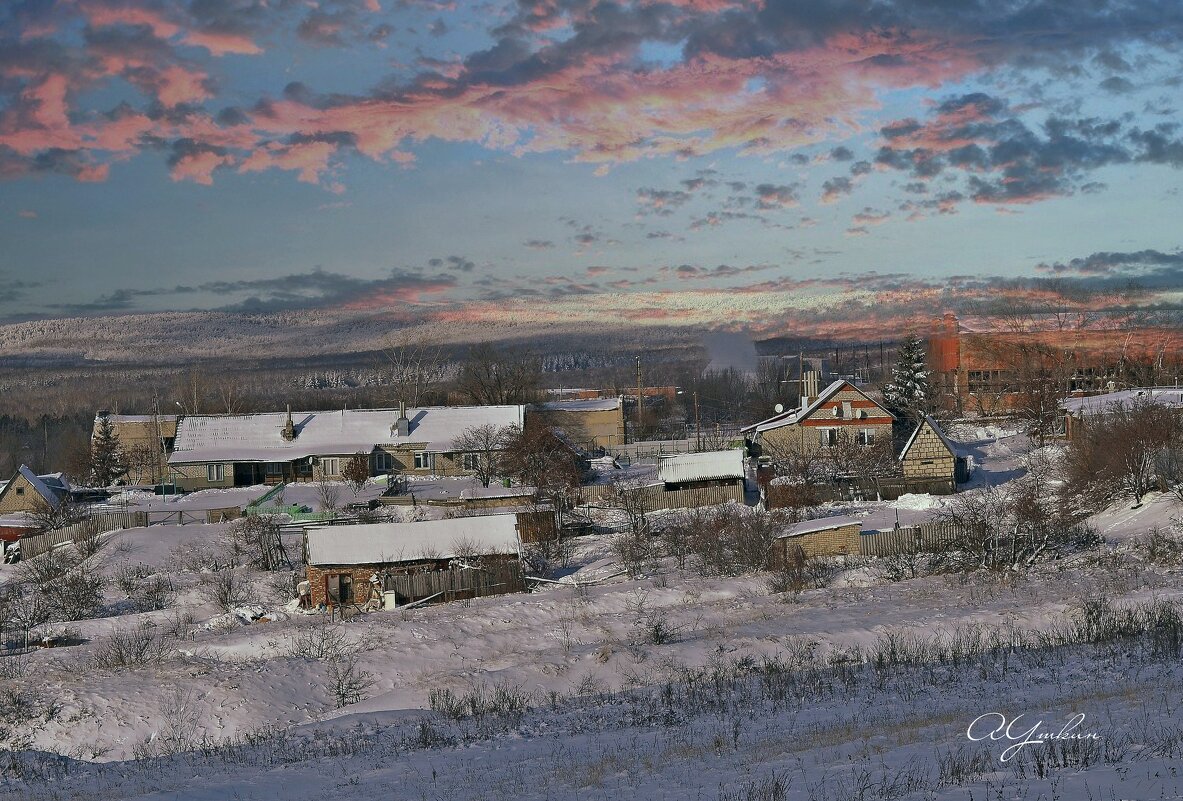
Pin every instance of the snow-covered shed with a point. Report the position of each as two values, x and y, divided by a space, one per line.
345 562
588 422
825 536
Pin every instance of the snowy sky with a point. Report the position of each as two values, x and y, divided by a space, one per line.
688 160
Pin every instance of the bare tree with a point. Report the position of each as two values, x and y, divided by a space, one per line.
356 472
328 492
1119 453
495 377
47 516
411 366
482 448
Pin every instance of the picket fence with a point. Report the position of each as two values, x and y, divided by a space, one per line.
37 544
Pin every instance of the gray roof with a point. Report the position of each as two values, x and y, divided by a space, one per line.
820 524
256 437
376 543
42 489
1094 404
579 405
701 466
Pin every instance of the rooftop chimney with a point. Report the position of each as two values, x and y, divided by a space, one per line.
403 425
289 428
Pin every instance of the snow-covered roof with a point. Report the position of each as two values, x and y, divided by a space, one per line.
820 524
580 405
1094 404
139 418
257 437
701 466
374 543
39 486
796 415
936 429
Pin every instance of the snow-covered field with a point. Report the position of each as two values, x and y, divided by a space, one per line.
668 685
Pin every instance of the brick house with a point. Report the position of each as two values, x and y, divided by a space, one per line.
841 410
827 536
588 422
244 450
146 441
928 454
349 564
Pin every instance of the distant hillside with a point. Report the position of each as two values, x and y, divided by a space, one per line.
172 337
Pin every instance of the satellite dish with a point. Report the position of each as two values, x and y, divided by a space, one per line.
778 408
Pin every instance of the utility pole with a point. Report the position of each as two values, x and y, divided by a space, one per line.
697 424
640 396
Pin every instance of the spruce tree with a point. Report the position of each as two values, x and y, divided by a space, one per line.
908 394
107 464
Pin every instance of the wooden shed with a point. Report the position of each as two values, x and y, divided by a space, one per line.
453 558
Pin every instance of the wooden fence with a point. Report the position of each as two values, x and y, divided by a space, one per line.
37 544
456 583
656 497
909 539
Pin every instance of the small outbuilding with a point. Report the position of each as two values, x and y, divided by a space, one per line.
928 454
400 563
701 479
826 536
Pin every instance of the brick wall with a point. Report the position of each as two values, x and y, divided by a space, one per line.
928 457
843 540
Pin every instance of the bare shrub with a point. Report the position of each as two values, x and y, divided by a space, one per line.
321 640
195 556
154 593
226 589
256 539
132 646
347 681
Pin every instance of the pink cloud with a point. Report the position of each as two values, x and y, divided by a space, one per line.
199 167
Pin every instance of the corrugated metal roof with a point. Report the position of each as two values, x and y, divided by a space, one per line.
1093 404
256 437
701 466
375 543
580 405
796 415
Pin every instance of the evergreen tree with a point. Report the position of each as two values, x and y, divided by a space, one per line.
107 464
908 394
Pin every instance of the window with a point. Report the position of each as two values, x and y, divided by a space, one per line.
828 437
383 462
470 461
865 437
275 468
846 411
215 472
20 490
330 467
422 461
